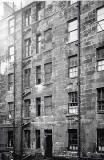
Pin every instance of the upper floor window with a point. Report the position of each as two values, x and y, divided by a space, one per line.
100 140
27 107
100 99
100 59
28 17
72 139
11 54
73 69
11 110
72 31
10 81
48 38
27 138
10 138
73 104
48 105
73 1
100 19
38 106
40 14
11 26
27 47
38 74
48 71
27 78
38 43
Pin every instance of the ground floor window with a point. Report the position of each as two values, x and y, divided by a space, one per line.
10 138
72 140
100 140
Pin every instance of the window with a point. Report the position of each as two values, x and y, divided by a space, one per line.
73 69
27 107
73 1
72 139
37 139
38 44
100 19
100 59
73 104
27 78
72 31
100 99
11 54
27 138
28 17
40 13
27 47
11 110
38 74
48 71
11 26
38 106
10 138
48 39
100 140
10 81
48 105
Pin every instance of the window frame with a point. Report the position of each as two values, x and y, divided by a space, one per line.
38 74
27 43
100 138
28 17
27 78
99 59
38 43
99 20
71 146
48 76
38 106
38 143
100 100
10 81
73 67
11 28
27 104
11 55
11 109
73 30
27 135
10 138
73 105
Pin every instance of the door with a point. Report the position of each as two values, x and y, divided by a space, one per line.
48 143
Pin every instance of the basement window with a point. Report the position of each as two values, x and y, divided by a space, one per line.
28 17
11 110
72 31
100 99
27 47
38 106
100 59
73 103
37 139
10 81
11 26
100 19
48 71
38 74
73 69
27 138
27 107
100 140
11 54
10 138
38 43
72 140
27 78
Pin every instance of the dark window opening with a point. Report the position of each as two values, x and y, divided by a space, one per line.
10 81
100 140
37 139
38 106
27 78
27 107
27 138
10 138
100 99
28 17
38 74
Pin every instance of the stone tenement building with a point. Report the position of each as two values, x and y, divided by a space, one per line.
39 57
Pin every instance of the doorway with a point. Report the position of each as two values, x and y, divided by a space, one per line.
48 143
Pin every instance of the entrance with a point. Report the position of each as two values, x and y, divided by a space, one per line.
48 143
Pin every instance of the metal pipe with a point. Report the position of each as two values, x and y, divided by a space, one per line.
79 114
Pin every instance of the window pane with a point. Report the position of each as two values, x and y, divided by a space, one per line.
101 65
73 36
72 25
100 14
100 26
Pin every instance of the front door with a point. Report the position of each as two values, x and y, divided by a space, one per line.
48 143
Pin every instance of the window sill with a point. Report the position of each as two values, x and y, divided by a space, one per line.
25 58
100 112
72 42
47 83
47 50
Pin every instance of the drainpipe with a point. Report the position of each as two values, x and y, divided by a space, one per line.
79 114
